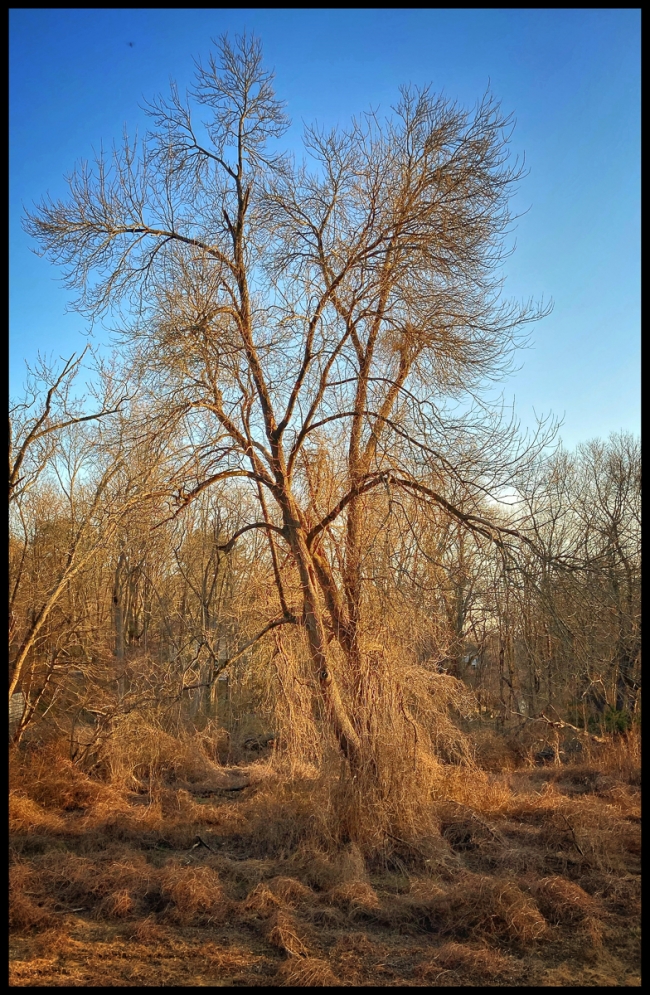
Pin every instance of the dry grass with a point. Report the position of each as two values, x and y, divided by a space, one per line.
564 903
357 899
494 752
284 933
477 906
289 890
309 973
515 878
456 962
26 911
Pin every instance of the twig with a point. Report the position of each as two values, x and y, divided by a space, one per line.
559 724
199 841
573 833
411 845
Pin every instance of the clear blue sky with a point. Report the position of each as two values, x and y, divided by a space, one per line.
570 77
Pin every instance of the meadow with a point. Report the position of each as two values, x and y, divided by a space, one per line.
201 859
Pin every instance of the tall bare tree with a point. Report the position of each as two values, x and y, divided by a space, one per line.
343 313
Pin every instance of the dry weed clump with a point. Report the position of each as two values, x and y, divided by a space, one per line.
593 834
144 824
122 884
193 894
358 899
267 908
146 931
317 868
494 752
284 933
620 896
621 755
322 869
141 750
213 741
111 885
26 815
565 903
474 789
280 816
180 807
26 914
351 864
54 781
469 962
356 942
477 905
466 832
29 907
312 972
119 904
289 890
240 877
261 903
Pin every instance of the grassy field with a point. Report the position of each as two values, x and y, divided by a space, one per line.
192 871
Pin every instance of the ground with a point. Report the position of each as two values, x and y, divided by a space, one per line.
216 878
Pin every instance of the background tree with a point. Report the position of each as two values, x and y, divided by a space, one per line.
574 632
50 435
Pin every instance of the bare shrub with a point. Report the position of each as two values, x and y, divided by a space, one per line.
141 749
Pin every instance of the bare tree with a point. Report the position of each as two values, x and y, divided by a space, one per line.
69 486
47 408
609 509
41 427
337 317
571 609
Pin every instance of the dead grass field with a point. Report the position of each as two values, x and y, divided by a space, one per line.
175 879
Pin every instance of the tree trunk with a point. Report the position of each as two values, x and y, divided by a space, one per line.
335 710
118 622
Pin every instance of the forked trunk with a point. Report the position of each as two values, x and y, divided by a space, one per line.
335 709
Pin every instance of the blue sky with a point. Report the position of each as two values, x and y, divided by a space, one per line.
570 77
